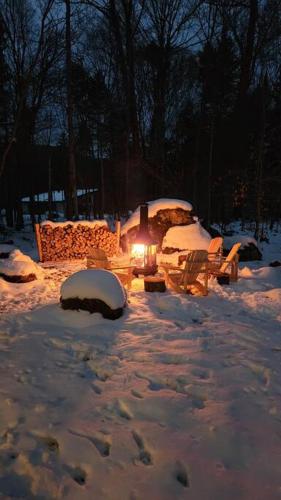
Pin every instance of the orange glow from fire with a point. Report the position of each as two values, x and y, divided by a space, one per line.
138 250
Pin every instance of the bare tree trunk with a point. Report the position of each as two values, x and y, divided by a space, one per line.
259 183
72 205
248 53
50 193
5 155
196 167
32 209
210 172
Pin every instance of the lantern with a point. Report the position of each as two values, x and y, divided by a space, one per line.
143 249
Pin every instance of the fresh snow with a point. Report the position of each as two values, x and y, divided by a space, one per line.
153 208
178 399
191 237
95 284
88 223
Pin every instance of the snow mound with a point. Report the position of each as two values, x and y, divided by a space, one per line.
246 272
95 284
153 208
19 264
191 237
245 241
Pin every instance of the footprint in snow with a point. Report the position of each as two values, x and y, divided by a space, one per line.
200 373
78 474
181 474
123 410
144 454
8 457
101 443
137 394
50 442
179 325
96 389
198 403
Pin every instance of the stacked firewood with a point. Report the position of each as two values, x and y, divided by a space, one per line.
74 241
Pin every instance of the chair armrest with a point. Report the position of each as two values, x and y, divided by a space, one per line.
168 267
121 267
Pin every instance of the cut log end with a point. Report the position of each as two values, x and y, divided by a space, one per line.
154 284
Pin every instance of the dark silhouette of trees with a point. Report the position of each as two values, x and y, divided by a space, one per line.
177 98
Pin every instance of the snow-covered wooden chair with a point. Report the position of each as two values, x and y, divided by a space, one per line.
215 248
185 280
226 265
98 259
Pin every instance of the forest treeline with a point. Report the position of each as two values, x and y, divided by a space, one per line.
162 98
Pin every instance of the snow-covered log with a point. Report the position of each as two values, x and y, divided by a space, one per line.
19 268
94 290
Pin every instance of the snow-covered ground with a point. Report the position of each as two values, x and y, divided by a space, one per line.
178 399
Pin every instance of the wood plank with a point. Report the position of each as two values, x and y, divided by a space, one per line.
38 242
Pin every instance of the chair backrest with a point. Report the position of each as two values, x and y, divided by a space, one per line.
97 258
230 257
215 245
194 264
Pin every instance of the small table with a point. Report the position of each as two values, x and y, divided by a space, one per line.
154 284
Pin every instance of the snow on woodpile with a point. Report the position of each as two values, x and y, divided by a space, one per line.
191 237
87 223
162 214
19 268
95 290
72 240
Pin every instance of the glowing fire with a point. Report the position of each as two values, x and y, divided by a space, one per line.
144 256
138 251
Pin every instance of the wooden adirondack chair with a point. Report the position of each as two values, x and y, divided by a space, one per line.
186 280
97 258
228 264
215 248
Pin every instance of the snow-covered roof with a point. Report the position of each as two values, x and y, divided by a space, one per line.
88 223
153 208
95 284
58 195
191 237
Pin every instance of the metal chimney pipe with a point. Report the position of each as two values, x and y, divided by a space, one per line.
143 218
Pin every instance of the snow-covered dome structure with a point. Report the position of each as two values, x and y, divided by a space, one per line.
94 290
162 214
